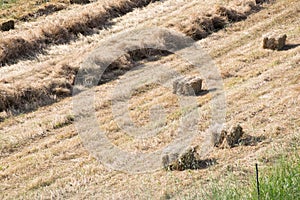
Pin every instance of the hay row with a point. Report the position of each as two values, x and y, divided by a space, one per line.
200 27
22 9
30 42
17 98
59 85
46 10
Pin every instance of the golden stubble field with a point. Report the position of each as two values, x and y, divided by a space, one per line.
41 153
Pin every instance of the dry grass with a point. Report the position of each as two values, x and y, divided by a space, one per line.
201 25
42 155
63 30
28 9
50 90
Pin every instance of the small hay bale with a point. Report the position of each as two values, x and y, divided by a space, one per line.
229 139
274 41
187 86
6 26
234 136
218 139
189 159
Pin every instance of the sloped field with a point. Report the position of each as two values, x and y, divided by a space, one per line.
41 151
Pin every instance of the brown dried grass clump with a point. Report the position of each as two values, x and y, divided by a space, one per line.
200 27
229 14
94 16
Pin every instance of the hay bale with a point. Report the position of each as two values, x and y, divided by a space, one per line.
234 136
187 86
169 160
218 139
274 41
189 159
6 26
229 139
80 1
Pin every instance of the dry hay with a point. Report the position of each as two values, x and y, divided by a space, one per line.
128 61
229 14
189 159
17 98
274 41
201 26
46 10
230 138
18 46
60 84
187 86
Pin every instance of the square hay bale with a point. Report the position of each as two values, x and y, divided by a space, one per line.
274 41
187 86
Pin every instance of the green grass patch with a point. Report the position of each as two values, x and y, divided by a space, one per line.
280 181
7 3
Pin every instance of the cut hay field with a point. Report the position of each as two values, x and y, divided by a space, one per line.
43 153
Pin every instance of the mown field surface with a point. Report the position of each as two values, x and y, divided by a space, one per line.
42 155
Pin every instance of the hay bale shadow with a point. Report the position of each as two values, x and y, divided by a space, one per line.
249 140
204 92
289 47
195 165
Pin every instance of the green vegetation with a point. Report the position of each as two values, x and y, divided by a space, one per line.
281 181
6 3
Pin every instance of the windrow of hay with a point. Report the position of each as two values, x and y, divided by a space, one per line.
17 10
17 98
200 26
60 82
45 10
61 78
95 15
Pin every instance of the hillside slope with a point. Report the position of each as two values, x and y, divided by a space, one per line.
41 152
